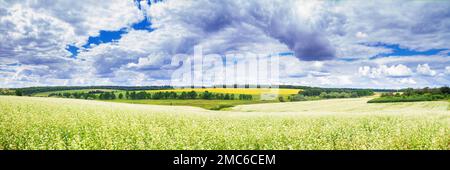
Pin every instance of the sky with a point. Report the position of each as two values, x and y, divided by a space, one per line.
358 44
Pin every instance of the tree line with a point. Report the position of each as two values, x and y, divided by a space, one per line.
7 92
333 89
336 92
32 90
414 95
329 93
139 95
133 95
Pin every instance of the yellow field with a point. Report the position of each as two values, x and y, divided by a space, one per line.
252 91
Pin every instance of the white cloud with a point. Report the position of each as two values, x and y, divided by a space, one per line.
89 17
361 35
84 17
387 22
35 33
365 71
447 70
407 81
424 69
399 70
29 34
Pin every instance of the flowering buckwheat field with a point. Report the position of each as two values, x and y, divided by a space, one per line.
55 123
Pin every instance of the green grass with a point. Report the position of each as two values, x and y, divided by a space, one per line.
55 123
206 104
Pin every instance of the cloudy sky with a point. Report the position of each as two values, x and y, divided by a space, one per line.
376 44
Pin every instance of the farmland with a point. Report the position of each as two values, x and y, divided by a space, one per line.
57 123
211 103
252 91
206 104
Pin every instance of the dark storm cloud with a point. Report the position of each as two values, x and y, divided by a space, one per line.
206 18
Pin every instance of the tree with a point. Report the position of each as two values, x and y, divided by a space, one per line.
113 96
76 95
133 95
127 95
192 95
19 92
120 96
227 97
173 95
207 95
157 95
409 92
298 97
183 95
141 95
245 97
445 90
66 95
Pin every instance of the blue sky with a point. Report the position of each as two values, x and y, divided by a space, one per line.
109 36
380 44
396 50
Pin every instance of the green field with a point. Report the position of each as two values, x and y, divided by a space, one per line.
206 104
56 123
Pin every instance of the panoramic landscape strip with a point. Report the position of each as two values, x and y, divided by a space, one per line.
225 118
225 76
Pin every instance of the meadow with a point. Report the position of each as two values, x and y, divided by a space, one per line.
57 123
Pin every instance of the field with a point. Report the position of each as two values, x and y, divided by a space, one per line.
56 123
351 106
206 104
252 91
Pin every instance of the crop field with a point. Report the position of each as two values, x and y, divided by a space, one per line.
57 123
351 106
252 91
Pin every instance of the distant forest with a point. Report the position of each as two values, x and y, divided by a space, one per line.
315 93
32 90
414 95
